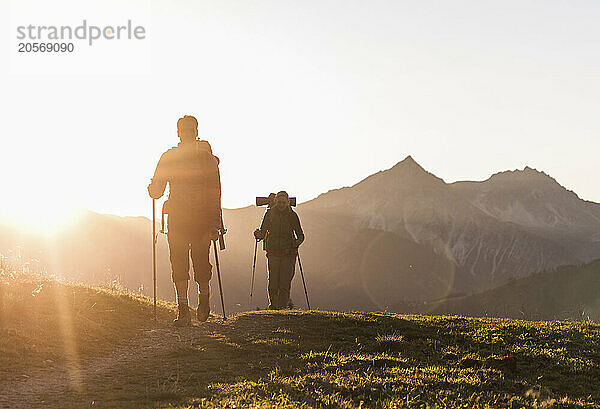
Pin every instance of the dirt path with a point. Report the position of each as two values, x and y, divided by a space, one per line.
79 385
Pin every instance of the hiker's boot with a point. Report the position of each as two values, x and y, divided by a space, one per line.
203 307
184 318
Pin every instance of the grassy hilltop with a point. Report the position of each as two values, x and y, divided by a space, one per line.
68 345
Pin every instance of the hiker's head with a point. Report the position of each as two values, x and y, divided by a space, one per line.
282 200
187 128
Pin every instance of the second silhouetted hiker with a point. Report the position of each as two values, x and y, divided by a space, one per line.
283 235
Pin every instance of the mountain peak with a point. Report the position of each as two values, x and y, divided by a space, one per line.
527 174
532 171
527 178
406 175
408 161
408 165
408 170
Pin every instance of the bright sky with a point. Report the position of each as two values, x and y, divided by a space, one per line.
298 95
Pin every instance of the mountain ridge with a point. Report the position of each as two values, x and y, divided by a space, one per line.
400 234
563 293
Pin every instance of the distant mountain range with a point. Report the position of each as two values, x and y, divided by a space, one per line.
510 225
399 236
564 293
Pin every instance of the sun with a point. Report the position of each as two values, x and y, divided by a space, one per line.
40 216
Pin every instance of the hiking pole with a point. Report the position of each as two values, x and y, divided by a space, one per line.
253 270
154 252
219 277
303 282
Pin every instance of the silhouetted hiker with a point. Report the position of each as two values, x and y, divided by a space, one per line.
194 209
277 229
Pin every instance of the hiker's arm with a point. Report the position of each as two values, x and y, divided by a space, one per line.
298 230
214 193
157 186
264 227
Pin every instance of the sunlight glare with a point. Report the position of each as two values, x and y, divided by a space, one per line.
38 213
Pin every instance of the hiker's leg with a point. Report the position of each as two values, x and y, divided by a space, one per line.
181 289
202 273
179 254
274 267
200 260
288 264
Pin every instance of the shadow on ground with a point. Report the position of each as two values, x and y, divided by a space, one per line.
354 360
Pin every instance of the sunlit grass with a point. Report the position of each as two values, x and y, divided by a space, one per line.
44 321
297 358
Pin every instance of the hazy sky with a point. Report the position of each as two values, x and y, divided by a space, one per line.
298 95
